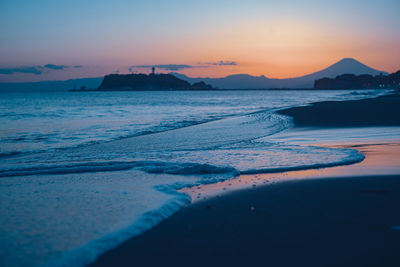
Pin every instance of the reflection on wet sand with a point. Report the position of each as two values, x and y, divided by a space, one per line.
381 159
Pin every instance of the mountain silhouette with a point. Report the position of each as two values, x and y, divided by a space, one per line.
245 81
344 66
237 81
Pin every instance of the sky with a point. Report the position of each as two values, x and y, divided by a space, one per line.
57 39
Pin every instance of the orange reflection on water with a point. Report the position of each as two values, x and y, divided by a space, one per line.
380 159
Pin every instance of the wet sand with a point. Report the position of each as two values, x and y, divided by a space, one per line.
380 111
351 219
381 159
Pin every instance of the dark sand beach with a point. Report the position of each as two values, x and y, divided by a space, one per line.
380 111
329 222
350 220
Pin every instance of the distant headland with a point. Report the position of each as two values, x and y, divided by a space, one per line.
365 81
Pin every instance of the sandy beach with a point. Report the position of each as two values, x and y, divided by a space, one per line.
380 111
348 219
352 221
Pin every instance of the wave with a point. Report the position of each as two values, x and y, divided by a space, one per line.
370 93
347 156
85 141
9 154
147 166
348 161
184 168
67 169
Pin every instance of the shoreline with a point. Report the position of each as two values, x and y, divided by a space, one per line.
348 219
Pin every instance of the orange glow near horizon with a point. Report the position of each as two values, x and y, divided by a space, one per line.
274 48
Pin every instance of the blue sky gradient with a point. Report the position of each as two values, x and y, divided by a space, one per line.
261 36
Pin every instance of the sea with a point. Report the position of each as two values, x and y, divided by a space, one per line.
81 172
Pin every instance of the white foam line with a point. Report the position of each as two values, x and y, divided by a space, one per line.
88 253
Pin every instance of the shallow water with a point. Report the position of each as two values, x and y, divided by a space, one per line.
81 172
38 121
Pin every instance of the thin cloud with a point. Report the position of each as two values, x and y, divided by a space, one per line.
169 67
30 70
55 67
37 69
178 67
221 63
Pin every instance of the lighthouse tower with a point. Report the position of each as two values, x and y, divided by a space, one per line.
153 69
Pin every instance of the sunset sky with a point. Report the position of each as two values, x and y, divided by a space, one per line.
55 39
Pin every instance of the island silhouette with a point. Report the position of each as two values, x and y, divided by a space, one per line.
152 81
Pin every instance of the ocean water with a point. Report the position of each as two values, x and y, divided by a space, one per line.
82 172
